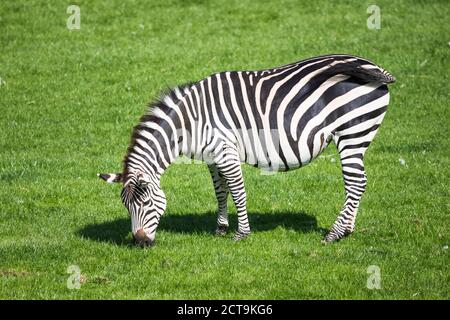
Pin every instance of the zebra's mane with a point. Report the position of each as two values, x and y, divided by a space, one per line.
157 103
168 92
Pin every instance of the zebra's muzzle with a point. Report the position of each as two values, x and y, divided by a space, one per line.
141 239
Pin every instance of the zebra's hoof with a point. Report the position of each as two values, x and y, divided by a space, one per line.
326 240
334 236
240 235
221 230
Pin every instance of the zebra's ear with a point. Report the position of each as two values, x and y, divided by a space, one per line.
110 177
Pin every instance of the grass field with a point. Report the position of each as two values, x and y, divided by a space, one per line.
68 101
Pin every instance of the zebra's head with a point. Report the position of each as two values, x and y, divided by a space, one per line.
145 201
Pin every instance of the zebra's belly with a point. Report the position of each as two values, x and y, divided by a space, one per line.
285 158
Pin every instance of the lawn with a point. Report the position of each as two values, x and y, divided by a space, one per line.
68 101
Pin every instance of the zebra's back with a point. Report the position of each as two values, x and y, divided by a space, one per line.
282 118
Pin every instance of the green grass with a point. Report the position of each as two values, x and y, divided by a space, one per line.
68 101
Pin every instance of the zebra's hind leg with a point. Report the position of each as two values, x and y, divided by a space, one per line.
221 190
229 165
352 140
355 184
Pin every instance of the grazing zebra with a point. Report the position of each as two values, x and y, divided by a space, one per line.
275 119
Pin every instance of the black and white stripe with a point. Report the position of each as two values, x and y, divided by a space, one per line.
276 119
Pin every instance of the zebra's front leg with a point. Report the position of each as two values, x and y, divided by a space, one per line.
221 190
229 165
355 184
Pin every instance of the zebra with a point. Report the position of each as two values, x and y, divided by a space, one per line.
275 119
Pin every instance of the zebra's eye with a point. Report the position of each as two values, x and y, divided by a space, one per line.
147 203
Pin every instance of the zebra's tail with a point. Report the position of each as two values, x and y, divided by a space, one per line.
363 70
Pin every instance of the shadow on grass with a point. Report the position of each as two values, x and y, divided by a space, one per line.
118 231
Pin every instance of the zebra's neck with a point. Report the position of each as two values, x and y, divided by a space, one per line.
161 135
